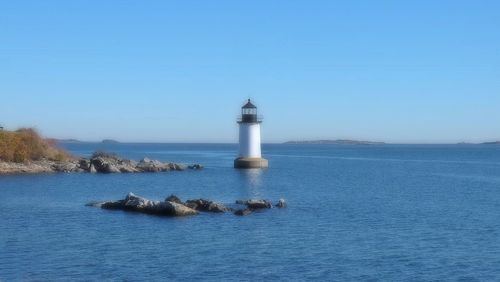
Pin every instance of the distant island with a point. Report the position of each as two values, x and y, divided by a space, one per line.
65 140
105 141
336 142
492 143
110 141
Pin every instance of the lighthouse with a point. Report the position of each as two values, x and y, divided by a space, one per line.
250 155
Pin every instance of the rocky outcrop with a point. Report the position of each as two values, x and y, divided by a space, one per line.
174 206
98 163
139 204
255 204
206 205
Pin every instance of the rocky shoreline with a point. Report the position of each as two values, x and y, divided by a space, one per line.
98 163
173 206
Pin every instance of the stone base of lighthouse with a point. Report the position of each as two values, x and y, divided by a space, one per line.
251 163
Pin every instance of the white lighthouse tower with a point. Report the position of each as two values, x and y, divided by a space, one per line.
250 155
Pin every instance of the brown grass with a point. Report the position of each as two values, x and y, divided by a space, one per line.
25 145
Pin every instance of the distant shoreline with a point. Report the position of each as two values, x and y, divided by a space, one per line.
336 142
307 142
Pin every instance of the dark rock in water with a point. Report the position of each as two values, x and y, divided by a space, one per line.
173 206
143 205
175 209
243 212
259 204
174 199
281 203
255 204
112 205
195 166
206 205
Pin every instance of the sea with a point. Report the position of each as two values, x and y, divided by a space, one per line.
355 213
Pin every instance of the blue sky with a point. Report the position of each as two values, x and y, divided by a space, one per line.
178 71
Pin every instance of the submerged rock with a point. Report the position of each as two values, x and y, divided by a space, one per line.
243 212
281 203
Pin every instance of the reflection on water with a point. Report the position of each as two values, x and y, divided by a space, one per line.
253 182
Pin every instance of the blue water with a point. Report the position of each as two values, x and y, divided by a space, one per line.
391 212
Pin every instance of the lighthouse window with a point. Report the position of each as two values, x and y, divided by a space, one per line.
249 111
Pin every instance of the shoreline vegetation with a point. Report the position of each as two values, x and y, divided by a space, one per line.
24 151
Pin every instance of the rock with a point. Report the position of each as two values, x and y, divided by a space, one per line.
139 204
65 167
195 167
105 165
243 212
84 164
147 165
281 203
126 169
176 209
179 167
259 204
173 206
206 206
174 199
118 205
256 204
92 169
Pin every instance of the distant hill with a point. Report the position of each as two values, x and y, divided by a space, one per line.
492 143
109 141
66 140
337 142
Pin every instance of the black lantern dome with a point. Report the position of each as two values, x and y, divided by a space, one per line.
249 113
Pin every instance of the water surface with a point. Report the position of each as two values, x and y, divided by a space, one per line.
390 212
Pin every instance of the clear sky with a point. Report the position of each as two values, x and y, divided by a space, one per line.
178 71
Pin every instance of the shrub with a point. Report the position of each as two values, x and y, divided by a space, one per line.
25 144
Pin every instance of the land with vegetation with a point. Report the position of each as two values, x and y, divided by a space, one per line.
25 151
